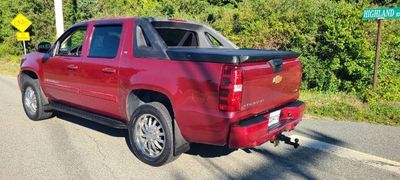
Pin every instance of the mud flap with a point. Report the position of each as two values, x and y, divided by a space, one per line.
180 144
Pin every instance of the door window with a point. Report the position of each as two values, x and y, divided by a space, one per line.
72 44
105 41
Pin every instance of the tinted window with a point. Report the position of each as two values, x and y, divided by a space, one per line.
191 40
72 44
105 41
213 41
178 37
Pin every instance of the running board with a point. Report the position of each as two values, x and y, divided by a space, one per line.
101 119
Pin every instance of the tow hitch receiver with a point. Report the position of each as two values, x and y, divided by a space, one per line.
285 139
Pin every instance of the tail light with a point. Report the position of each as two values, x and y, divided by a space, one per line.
230 89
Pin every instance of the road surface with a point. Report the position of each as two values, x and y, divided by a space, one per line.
68 147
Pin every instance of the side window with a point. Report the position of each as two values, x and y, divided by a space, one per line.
141 38
72 44
105 41
178 37
213 41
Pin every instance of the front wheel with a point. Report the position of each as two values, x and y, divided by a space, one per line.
33 99
150 134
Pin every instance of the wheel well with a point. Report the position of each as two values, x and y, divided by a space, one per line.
139 97
30 74
34 76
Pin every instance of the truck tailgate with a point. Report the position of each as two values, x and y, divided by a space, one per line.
266 88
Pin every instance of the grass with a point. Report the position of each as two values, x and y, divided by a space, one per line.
9 65
323 105
341 106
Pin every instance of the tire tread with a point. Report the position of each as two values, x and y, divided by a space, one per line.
167 155
42 101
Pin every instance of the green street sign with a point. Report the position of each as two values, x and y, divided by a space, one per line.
381 13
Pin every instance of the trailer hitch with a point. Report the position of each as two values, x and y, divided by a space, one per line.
285 139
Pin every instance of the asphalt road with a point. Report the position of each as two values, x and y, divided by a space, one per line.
68 147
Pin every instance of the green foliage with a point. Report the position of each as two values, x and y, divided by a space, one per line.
337 46
75 11
341 106
389 89
40 12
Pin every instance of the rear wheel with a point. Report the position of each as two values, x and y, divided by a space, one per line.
150 134
33 100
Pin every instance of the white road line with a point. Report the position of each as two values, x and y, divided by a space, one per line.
343 152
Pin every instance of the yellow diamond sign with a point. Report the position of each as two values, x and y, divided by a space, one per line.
21 22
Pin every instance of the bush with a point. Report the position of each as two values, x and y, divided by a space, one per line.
337 46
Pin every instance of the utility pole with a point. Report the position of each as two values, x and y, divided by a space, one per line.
59 17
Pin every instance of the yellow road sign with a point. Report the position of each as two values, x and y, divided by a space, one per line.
23 36
21 22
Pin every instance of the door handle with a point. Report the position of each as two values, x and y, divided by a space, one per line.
72 67
109 70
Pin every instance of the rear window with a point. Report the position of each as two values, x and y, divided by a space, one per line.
105 41
178 37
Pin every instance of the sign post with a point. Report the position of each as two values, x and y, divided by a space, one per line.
379 14
377 52
21 23
23 36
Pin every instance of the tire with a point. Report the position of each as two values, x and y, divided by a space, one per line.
157 114
33 100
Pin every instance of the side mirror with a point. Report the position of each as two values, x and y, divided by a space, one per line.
43 47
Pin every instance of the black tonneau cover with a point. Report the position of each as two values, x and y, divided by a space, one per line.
228 56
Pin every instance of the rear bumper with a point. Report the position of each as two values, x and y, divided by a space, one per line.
255 131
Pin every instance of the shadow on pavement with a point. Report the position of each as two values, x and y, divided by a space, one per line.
319 136
209 151
92 125
97 127
301 162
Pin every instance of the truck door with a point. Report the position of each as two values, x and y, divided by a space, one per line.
100 69
61 71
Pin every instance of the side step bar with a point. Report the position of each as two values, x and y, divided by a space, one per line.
104 120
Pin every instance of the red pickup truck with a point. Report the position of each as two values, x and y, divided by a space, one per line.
170 82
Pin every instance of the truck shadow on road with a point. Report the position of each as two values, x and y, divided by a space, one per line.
92 125
202 150
209 151
284 162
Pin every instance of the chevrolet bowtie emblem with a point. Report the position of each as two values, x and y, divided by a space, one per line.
277 79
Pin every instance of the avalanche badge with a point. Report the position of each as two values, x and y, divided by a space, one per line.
277 79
